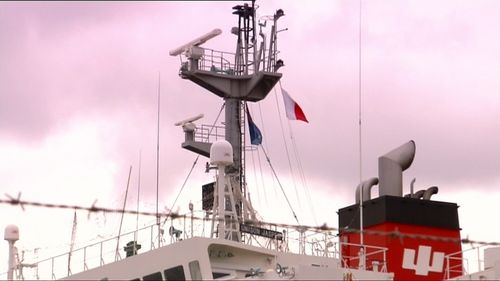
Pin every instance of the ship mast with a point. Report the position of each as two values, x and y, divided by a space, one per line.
246 75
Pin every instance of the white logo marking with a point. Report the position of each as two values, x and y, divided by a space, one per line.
423 266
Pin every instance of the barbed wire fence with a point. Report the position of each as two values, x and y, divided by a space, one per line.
17 201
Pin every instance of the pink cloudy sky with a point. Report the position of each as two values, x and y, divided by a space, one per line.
78 86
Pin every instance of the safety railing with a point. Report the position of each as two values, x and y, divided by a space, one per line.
313 242
368 257
225 62
93 255
218 61
209 133
456 264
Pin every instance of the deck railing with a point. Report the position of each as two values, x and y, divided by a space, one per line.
456 264
295 240
375 258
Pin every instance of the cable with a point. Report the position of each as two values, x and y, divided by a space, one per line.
301 170
286 148
255 174
279 183
258 155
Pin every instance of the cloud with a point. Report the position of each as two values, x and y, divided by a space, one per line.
426 76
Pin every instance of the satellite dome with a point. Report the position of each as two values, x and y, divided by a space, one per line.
11 233
221 153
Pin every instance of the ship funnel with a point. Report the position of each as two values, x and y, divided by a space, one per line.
391 167
366 186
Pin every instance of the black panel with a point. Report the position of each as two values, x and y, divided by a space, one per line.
216 275
207 196
153 277
401 210
175 273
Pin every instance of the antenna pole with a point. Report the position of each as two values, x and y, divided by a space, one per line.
12 263
123 214
73 234
361 237
158 163
138 194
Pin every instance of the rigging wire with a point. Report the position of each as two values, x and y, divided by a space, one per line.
255 171
301 170
286 148
258 155
255 177
279 183
194 164
303 177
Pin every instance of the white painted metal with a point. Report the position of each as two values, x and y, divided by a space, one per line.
11 235
238 260
490 271
196 42
221 153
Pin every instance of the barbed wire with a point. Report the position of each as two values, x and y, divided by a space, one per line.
92 209
300 228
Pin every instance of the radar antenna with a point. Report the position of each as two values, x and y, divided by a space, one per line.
195 43
189 120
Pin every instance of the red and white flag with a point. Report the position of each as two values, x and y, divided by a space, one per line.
293 110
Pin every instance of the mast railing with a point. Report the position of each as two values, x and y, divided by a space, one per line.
209 133
223 62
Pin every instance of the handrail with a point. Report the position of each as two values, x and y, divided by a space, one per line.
209 133
222 62
307 242
370 252
97 243
464 264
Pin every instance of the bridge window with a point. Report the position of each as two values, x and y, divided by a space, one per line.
194 270
175 273
153 277
217 275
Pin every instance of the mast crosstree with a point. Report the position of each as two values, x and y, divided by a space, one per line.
247 75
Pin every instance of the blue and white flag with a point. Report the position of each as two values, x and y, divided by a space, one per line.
255 134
